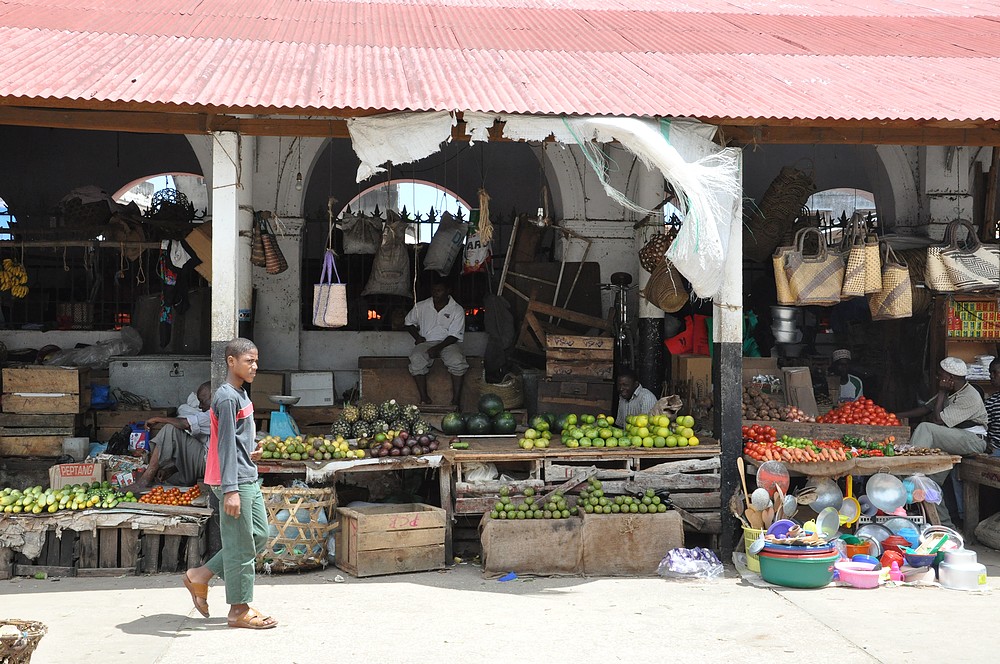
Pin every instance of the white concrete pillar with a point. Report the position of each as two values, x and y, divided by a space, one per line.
232 215
277 315
945 182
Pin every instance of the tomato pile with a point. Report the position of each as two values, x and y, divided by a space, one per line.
862 411
174 496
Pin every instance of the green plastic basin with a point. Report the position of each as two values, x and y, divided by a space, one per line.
792 572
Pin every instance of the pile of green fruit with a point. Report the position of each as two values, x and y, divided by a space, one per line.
591 431
308 448
368 419
491 419
593 501
659 431
36 500
555 508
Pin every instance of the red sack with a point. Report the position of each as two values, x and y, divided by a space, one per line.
693 340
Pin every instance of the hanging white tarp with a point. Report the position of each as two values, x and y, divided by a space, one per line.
704 176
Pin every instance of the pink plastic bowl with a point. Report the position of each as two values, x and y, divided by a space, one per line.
858 575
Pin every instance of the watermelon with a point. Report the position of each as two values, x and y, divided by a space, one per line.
453 424
478 424
490 405
562 422
504 423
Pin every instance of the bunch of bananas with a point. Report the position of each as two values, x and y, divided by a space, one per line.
14 278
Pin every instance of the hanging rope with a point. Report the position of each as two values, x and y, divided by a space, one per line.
485 225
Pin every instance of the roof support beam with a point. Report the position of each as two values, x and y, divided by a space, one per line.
861 134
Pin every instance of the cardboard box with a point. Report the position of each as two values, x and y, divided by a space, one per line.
799 389
64 474
314 387
263 386
200 239
696 369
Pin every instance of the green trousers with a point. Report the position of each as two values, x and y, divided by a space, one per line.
951 441
242 539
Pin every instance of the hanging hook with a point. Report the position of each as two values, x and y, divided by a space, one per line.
65 264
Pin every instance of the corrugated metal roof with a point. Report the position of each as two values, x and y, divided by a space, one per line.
829 59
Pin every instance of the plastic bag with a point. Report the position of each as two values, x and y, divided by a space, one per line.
698 563
480 472
98 355
922 489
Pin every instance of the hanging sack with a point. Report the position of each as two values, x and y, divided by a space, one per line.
895 300
974 266
784 289
362 233
329 297
446 244
478 249
814 279
274 260
853 250
257 256
391 268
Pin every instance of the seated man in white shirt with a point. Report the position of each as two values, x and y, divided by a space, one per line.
633 398
437 326
180 447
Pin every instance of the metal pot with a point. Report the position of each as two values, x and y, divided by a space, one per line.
961 571
786 314
783 337
784 326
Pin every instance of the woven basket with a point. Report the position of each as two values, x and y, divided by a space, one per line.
299 523
510 390
779 207
18 649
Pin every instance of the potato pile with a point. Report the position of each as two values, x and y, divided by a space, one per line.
759 406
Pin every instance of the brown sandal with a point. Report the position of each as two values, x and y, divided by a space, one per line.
199 591
253 619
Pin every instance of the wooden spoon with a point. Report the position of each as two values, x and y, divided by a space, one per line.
755 519
743 478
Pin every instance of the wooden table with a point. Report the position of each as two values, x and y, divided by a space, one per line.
976 471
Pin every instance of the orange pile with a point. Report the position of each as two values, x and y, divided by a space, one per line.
174 496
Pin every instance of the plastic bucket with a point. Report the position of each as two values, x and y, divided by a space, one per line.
750 535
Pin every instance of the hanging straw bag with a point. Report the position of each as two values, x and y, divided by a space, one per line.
853 248
329 297
873 263
257 256
665 288
895 300
654 252
274 260
814 279
785 294
975 266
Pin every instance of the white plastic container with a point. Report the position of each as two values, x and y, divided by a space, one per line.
76 448
960 570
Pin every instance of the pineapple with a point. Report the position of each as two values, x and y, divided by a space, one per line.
420 427
399 425
341 428
368 412
389 410
380 426
411 413
350 413
361 429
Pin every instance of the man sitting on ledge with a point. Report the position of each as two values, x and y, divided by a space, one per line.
437 326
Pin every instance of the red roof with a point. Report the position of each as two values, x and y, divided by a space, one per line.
828 59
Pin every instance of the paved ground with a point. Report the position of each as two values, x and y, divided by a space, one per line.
457 615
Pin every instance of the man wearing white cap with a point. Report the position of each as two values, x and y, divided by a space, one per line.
958 419
851 387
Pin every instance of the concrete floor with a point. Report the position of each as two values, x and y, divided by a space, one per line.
456 615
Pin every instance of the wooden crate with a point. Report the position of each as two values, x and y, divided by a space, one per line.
31 446
109 422
576 396
817 431
18 424
629 545
390 539
577 357
55 390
